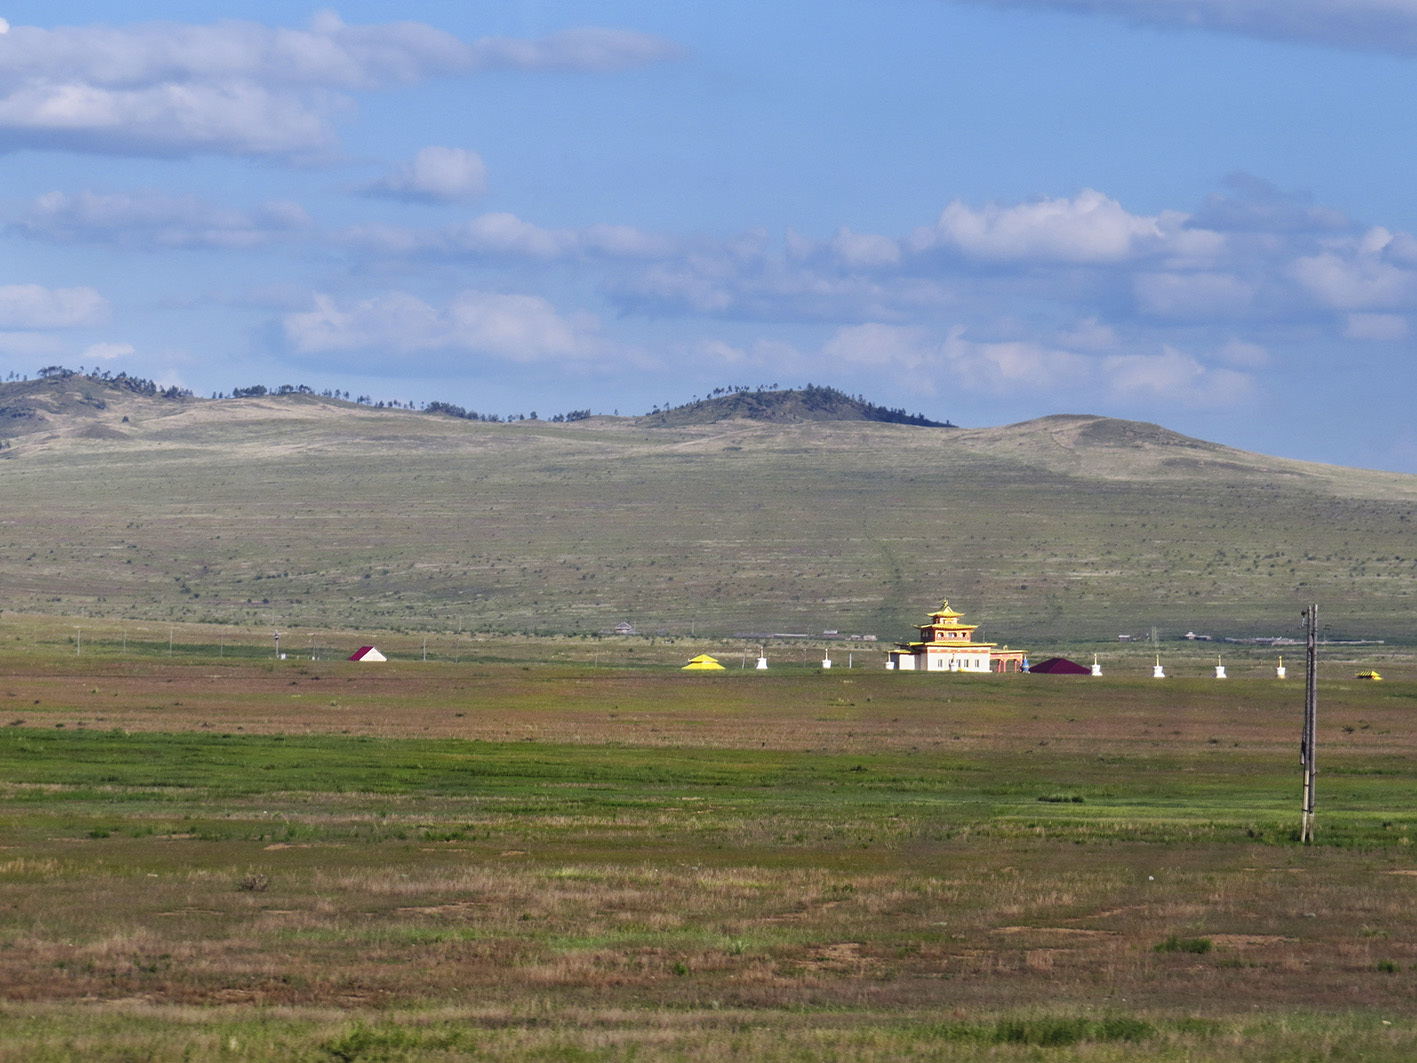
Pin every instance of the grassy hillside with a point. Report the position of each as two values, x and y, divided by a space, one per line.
305 511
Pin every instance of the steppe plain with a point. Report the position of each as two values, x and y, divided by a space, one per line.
521 840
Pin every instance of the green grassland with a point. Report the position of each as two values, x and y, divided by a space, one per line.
531 853
313 514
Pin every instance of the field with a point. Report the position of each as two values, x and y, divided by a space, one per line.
567 849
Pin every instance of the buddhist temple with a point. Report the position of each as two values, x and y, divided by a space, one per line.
702 663
947 645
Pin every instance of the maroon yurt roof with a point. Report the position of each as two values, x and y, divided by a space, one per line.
1060 666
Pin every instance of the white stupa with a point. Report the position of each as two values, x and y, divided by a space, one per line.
1158 672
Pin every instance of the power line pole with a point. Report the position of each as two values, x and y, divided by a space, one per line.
1311 711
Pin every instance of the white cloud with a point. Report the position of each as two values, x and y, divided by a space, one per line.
152 219
1172 377
1243 354
1361 274
522 328
1368 25
515 328
242 88
106 352
1003 368
1165 378
584 50
1376 327
864 250
327 54
880 346
956 362
1193 296
691 286
436 175
504 235
1089 228
723 284
720 352
623 241
1088 334
234 118
29 306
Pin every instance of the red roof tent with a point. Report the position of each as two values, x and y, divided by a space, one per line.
1060 666
367 653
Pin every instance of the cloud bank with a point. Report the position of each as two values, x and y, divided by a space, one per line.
150 220
1055 294
507 327
242 88
30 306
1241 258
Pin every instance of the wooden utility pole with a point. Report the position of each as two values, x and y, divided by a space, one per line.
1306 743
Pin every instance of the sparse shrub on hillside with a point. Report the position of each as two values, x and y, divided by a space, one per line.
1199 946
255 882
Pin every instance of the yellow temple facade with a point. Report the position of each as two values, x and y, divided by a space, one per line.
947 645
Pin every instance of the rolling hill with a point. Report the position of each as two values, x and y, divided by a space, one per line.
800 404
310 511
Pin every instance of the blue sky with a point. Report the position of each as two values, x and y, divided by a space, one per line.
1194 212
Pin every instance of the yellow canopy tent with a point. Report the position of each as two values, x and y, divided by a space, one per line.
702 663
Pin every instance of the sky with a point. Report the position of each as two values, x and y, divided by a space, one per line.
1192 212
